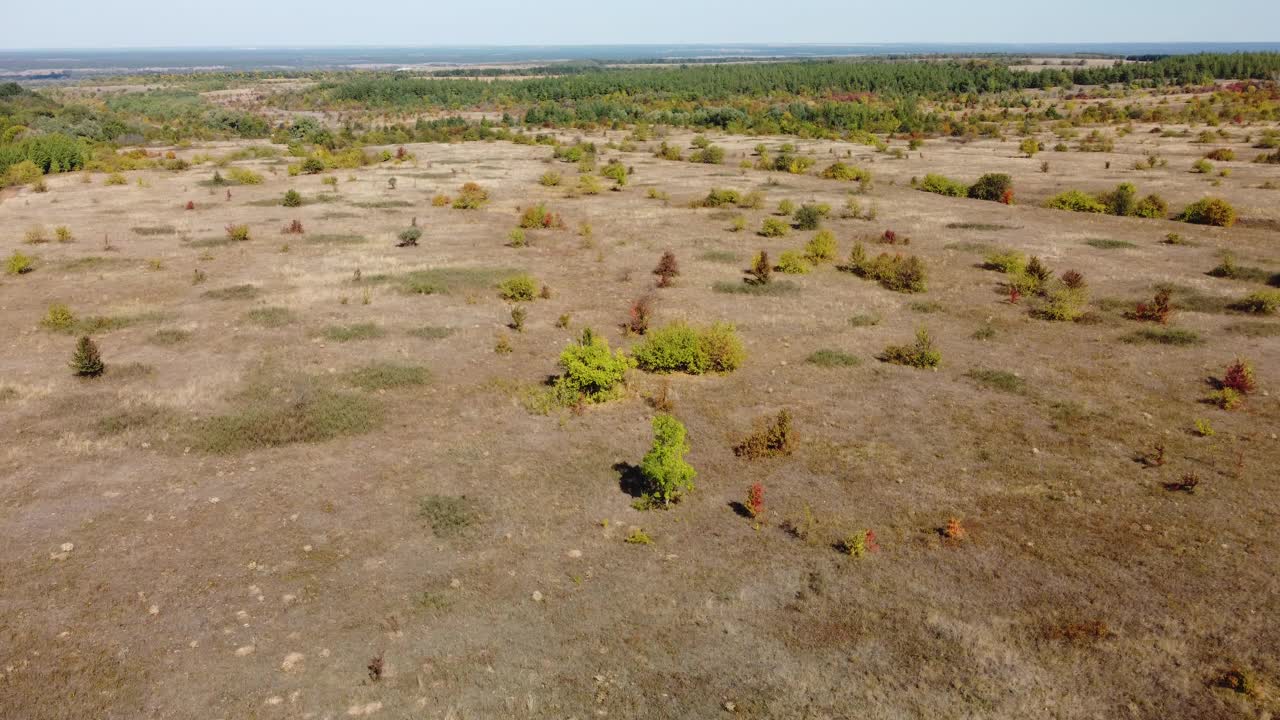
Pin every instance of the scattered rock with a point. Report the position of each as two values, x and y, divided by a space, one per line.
291 661
245 651
537 596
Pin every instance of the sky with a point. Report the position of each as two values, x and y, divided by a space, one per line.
206 23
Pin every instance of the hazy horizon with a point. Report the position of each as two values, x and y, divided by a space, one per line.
145 24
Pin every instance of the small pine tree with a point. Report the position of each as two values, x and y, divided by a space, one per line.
87 361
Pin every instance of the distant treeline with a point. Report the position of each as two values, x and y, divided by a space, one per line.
796 79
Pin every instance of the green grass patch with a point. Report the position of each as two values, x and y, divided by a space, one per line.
443 280
864 320
974 247
928 307
448 515
169 337
270 317
383 204
827 358
138 417
777 287
348 333
1254 329
209 242
1163 336
431 332
997 380
1108 243
386 376
153 230
989 227
234 292
94 262
335 239
720 256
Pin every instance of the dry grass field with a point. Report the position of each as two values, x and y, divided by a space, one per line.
307 486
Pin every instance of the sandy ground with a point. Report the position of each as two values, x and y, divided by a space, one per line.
142 577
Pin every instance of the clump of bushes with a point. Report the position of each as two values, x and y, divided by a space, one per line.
538 216
471 197
667 269
682 348
1124 202
1076 201
1010 262
772 438
666 475
773 227
1158 310
518 288
792 263
409 236
810 216
1262 302
592 372
237 232
920 354
821 247
1221 155
1237 382
59 317
897 272
995 187
942 185
292 198
550 178
847 173
1209 211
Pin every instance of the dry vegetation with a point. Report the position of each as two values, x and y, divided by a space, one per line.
377 468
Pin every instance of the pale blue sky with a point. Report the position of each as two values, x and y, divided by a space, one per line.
173 23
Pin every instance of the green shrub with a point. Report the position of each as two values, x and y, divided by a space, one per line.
1202 166
920 354
471 197
1209 211
772 438
710 155
1262 302
995 187
821 247
312 166
1064 304
1010 262
810 216
1120 201
717 198
19 264
244 176
847 173
894 272
292 198
786 208
667 476
238 233
1221 155
59 317
773 227
520 288
681 348
617 172
1076 201
116 178
943 185
550 178
1151 206
792 262
592 372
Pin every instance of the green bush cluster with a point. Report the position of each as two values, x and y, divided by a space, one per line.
592 372
942 185
1209 211
666 474
682 348
897 272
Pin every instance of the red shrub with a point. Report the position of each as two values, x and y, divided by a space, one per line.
191 205
1158 310
667 269
1239 377
639 317
755 500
